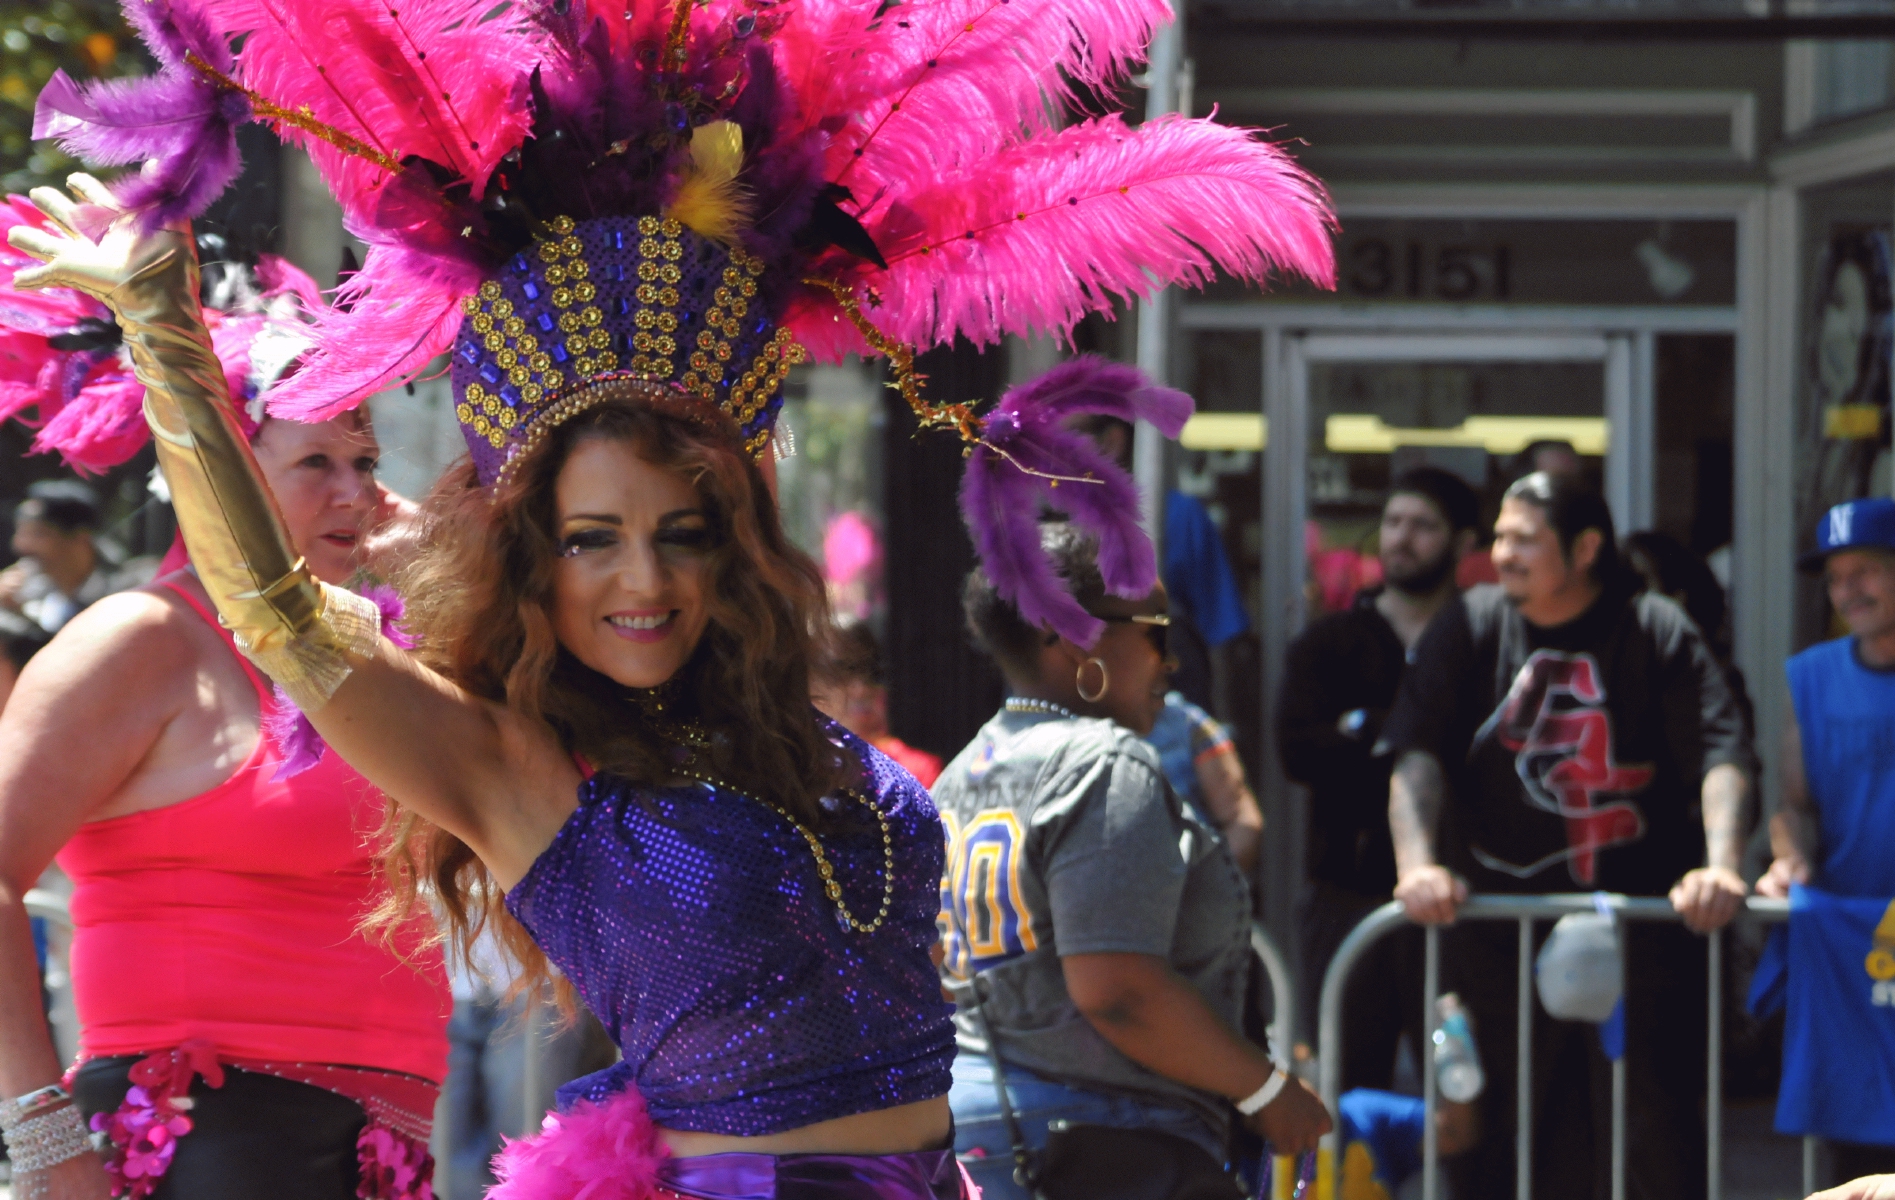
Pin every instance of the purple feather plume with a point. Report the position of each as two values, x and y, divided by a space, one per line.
179 122
1024 441
296 740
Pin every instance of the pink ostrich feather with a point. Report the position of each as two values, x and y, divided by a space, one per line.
630 24
943 84
86 404
442 80
391 319
43 312
278 276
1037 236
231 341
445 81
823 39
606 1151
102 428
91 407
1027 460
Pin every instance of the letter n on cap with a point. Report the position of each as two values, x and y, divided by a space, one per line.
1839 521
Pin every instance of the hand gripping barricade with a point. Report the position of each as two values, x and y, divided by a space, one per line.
1526 911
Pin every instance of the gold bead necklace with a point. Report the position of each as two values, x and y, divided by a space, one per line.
827 872
654 704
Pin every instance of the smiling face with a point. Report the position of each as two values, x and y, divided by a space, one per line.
323 477
1546 583
629 589
1862 589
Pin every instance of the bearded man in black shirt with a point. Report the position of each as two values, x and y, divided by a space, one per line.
1559 732
1339 682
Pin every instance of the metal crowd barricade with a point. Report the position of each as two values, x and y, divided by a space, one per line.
1282 988
1527 911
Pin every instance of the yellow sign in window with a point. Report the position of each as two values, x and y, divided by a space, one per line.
1225 431
1366 433
1852 422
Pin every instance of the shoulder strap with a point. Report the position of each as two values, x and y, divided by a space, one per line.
265 692
1024 1173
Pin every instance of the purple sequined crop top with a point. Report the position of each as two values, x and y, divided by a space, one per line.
694 924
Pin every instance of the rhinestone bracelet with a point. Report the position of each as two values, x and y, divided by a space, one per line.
48 1140
35 1102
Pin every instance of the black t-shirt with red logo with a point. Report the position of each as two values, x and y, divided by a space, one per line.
1574 754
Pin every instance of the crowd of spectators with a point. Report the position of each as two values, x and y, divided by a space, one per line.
1577 725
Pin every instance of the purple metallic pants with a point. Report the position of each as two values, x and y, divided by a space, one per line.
924 1175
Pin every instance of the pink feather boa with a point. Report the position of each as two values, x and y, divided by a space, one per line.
606 1151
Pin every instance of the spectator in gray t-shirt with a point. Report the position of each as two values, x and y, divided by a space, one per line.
1108 928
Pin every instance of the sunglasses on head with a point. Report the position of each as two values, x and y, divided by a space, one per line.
1157 628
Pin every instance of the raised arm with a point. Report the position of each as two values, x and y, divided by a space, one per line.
1796 829
496 781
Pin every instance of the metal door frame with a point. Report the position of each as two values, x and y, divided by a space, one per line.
1628 363
1622 338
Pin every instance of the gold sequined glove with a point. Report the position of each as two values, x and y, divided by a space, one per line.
296 629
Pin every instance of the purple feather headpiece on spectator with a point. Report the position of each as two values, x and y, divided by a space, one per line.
1026 457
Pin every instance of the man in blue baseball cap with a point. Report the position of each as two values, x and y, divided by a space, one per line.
1836 823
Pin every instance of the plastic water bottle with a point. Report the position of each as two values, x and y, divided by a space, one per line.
1457 1066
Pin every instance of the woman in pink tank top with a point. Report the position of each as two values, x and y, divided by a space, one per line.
240 1036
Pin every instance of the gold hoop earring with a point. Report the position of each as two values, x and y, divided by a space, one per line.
1105 680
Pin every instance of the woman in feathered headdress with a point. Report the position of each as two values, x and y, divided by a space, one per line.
215 896
624 224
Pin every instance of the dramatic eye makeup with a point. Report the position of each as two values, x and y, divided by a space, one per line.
592 533
684 531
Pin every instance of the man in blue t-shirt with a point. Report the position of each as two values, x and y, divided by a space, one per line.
1835 828
1837 821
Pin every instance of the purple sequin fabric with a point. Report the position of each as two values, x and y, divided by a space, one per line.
694 924
617 297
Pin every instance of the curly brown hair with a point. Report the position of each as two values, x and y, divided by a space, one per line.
479 596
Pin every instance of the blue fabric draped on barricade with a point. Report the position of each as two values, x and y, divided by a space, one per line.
1832 973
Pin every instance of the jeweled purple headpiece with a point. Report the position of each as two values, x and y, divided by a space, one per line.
886 177
640 298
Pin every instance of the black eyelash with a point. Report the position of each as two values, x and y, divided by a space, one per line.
585 539
689 538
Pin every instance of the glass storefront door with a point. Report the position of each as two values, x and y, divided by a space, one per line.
1302 422
1483 407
